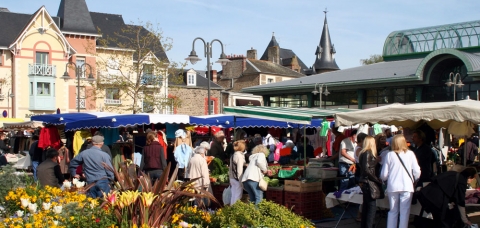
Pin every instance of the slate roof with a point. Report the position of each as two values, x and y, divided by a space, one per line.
382 72
261 66
285 55
110 25
75 17
11 25
201 80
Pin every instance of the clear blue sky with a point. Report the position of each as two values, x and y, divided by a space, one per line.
357 28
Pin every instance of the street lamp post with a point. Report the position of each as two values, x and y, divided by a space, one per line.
10 95
455 83
320 91
78 73
193 58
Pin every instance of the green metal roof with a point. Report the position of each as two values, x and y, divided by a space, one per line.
428 39
292 115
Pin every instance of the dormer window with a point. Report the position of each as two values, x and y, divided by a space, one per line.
191 80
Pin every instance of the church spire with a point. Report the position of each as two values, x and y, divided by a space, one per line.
325 53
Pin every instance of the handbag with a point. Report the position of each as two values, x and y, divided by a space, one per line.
262 183
415 195
376 190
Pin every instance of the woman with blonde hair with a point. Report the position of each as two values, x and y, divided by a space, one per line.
235 170
400 169
256 168
370 184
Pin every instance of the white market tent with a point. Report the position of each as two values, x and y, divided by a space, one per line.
459 117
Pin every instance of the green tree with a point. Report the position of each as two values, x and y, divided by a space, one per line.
373 59
132 66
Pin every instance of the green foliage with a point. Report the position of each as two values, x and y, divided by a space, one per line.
268 214
218 167
12 180
373 59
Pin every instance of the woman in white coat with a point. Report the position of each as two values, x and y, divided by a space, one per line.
256 168
235 170
400 180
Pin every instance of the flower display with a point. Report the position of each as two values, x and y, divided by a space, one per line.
58 209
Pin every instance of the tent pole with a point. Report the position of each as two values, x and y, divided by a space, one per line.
304 150
465 152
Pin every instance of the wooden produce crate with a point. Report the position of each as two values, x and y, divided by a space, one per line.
298 186
218 192
322 173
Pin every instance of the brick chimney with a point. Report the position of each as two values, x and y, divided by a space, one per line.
274 54
252 54
213 74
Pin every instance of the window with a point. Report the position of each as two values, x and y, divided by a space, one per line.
82 92
41 58
31 88
148 69
112 93
269 80
212 106
191 79
43 88
170 109
80 62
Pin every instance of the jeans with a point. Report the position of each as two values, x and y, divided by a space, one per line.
399 204
34 167
236 190
254 191
101 186
369 208
343 172
155 174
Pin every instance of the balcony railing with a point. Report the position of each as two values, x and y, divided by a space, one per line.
150 79
83 103
39 69
113 101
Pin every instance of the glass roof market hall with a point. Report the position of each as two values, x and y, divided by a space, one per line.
418 67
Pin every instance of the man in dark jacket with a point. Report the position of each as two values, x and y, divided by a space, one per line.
49 172
36 155
425 157
445 197
216 149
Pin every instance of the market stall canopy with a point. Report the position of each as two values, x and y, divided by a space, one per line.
126 120
65 118
437 115
227 121
290 115
10 120
22 125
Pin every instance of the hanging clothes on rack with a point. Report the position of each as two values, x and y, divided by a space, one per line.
111 135
64 159
49 137
162 139
78 140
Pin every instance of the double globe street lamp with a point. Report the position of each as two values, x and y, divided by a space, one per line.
193 58
456 83
79 71
320 91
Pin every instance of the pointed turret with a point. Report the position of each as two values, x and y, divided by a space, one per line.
75 17
325 53
273 43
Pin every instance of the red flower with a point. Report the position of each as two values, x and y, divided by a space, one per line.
97 220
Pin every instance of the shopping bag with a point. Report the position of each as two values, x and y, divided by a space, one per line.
227 195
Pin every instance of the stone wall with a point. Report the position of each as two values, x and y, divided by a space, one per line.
234 68
194 100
